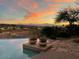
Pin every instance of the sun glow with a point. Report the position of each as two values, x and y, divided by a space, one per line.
31 11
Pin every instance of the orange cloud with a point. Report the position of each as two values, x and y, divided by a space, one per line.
38 17
51 10
59 1
34 5
67 1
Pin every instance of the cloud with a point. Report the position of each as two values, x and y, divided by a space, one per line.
60 1
35 11
51 10
40 16
23 4
77 2
48 0
34 5
2 2
27 4
66 1
13 8
18 5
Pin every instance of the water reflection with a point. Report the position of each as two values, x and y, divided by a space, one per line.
30 52
12 49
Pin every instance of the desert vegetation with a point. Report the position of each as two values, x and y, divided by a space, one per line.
70 15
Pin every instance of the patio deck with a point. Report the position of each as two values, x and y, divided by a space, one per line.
36 47
61 50
55 55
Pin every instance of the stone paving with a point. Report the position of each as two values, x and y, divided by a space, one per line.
61 49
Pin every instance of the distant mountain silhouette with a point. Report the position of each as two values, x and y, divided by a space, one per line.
24 25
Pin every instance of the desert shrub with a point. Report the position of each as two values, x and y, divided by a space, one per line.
77 30
73 30
53 32
49 32
64 34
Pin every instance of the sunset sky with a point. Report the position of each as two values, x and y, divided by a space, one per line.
32 11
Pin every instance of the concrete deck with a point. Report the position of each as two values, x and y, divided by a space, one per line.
61 50
36 47
55 55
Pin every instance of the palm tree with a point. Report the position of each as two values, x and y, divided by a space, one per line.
70 15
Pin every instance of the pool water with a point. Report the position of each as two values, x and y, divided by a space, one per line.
12 49
28 51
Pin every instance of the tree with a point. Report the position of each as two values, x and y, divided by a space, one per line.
69 14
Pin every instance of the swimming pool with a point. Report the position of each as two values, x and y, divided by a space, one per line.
12 49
